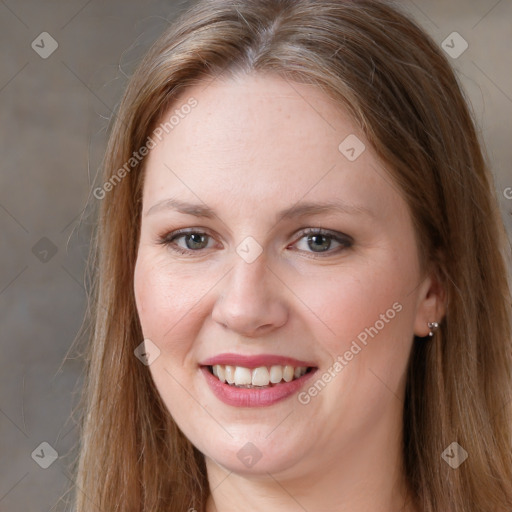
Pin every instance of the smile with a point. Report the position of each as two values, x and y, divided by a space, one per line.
260 377
254 395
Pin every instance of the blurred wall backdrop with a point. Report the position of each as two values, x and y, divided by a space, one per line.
63 69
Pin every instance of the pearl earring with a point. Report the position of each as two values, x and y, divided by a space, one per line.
433 326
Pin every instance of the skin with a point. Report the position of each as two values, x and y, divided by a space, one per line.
255 145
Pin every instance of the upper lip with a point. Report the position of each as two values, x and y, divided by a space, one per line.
254 361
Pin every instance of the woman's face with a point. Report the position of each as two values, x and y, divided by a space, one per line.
255 284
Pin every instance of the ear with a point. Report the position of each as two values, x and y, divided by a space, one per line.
431 306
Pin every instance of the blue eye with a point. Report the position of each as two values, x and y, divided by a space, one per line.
321 240
317 240
194 241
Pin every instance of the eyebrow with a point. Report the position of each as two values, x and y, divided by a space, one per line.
303 209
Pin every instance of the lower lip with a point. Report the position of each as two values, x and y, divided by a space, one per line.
252 397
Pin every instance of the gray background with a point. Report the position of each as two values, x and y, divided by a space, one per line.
54 115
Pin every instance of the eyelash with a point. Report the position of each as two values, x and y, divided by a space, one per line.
168 240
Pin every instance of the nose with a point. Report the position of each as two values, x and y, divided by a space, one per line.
251 301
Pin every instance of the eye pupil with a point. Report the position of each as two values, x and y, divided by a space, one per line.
196 238
316 238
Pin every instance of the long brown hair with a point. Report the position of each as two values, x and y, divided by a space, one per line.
400 89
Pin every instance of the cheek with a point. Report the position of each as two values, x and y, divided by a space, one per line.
152 297
369 304
168 301
165 300
365 317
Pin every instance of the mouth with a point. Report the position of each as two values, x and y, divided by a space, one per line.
261 377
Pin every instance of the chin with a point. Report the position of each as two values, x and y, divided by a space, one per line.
257 457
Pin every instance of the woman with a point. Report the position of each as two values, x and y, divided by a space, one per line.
301 284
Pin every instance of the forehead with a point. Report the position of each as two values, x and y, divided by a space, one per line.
264 114
260 140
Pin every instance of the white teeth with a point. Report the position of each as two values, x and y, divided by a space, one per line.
230 374
261 376
288 373
242 376
296 372
221 372
276 374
